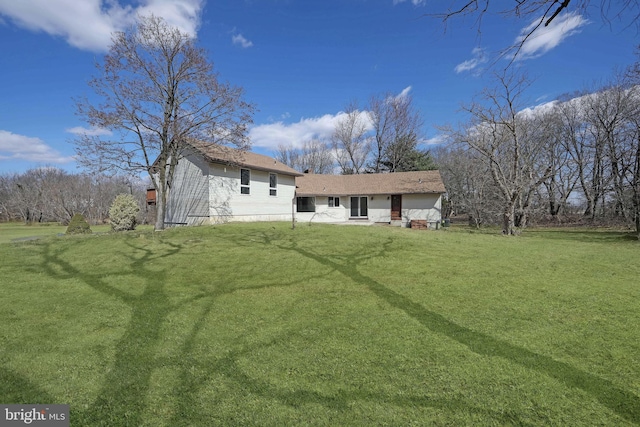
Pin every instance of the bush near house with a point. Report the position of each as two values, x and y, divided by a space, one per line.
124 212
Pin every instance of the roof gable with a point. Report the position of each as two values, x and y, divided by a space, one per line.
419 182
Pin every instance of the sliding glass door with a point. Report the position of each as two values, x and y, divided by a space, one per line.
359 207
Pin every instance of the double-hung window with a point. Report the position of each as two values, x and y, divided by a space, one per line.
245 181
273 184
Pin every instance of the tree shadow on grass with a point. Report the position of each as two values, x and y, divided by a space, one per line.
341 399
121 401
122 398
14 388
624 403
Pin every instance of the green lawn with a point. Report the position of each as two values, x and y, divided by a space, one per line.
17 231
258 324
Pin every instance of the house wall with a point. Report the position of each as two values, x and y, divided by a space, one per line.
226 203
421 206
188 197
380 208
414 206
324 213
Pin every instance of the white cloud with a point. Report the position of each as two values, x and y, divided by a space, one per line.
88 24
479 58
20 147
79 130
295 134
404 93
438 139
240 40
543 39
272 135
538 110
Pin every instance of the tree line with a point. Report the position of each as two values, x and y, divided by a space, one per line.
49 194
578 156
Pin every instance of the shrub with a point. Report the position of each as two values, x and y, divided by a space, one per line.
123 213
78 225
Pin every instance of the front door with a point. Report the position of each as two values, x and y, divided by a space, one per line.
396 207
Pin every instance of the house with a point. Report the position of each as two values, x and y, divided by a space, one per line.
394 198
214 184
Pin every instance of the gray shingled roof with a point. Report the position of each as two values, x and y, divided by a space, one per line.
367 184
221 154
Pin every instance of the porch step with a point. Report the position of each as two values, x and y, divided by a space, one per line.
419 224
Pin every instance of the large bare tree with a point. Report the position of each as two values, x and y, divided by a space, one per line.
397 128
507 140
157 90
314 156
350 140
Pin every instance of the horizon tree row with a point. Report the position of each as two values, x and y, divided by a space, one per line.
49 194
510 164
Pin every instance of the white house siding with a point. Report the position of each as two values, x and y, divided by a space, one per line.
421 206
226 203
380 208
414 206
324 213
188 197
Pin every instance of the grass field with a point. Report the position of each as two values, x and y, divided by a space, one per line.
258 324
17 231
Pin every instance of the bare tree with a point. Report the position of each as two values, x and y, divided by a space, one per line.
314 156
608 114
381 116
560 185
504 138
350 140
158 91
397 128
52 194
469 185
633 78
5 194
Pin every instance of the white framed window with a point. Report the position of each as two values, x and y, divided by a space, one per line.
273 184
245 181
334 202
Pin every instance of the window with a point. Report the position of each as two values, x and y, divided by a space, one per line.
359 207
273 184
306 204
334 202
245 179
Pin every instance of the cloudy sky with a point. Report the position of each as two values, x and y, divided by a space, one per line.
300 61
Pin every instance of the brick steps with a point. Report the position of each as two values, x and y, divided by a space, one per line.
419 224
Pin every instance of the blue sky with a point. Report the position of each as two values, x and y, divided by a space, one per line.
300 61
